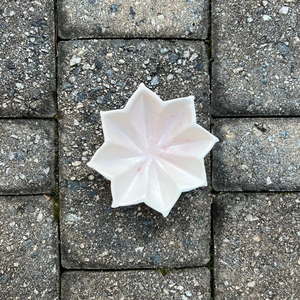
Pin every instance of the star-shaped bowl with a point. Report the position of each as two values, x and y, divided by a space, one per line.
153 150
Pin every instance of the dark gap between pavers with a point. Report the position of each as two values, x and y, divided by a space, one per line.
256 154
182 284
130 19
27 59
256 52
102 75
257 249
29 265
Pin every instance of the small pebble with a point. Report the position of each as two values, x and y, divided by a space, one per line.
193 57
188 293
75 61
266 18
284 10
154 80
170 77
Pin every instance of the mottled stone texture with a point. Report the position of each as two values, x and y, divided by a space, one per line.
27 156
132 19
256 51
102 75
257 249
95 236
257 155
29 267
178 285
27 58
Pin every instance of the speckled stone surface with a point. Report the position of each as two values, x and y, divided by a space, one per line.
102 75
257 249
29 250
132 19
27 58
256 50
27 156
99 75
178 285
95 236
256 155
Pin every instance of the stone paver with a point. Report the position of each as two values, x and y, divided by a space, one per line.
27 59
256 50
257 155
257 249
29 250
102 75
142 19
27 156
178 285
95 236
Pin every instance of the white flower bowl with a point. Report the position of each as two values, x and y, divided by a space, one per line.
153 151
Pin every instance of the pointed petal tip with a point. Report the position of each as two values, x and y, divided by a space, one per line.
93 166
216 140
142 86
103 113
188 98
165 213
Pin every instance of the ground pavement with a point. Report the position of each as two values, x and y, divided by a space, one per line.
63 61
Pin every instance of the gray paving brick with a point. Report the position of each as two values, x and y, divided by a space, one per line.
27 156
27 58
257 250
29 250
102 75
95 236
257 155
256 50
132 19
179 285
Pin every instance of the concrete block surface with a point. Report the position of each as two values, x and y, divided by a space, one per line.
27 59
181 285
133 19
256 155
29 267
255 51
102 75
257 250
27 156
